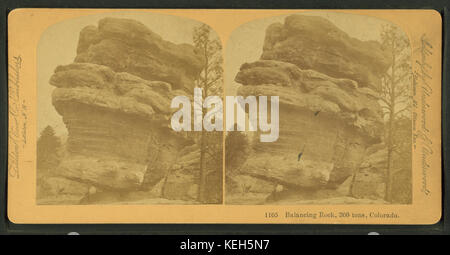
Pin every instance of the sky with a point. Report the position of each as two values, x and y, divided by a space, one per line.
59 42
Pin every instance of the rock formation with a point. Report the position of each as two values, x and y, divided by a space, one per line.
115 102
369 181
129 46
312 42
329 112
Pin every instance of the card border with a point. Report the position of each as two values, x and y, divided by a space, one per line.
442 227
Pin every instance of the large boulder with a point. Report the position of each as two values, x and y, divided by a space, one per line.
246 189
115 103
327 84
60 190
117 126
113 114
330 121
127 45
370 179
175 174
313 91
170 166
180 186
313 42
108 174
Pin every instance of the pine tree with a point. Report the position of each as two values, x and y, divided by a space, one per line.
48 149
210 81
395 92
237 150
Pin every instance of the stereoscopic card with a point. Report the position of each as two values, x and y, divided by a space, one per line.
224 116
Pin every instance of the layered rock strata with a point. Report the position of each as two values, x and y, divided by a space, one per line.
129 46
312 42
329 112
114 120
115 102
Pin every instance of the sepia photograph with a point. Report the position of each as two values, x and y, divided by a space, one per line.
344 83
224 116
104 93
